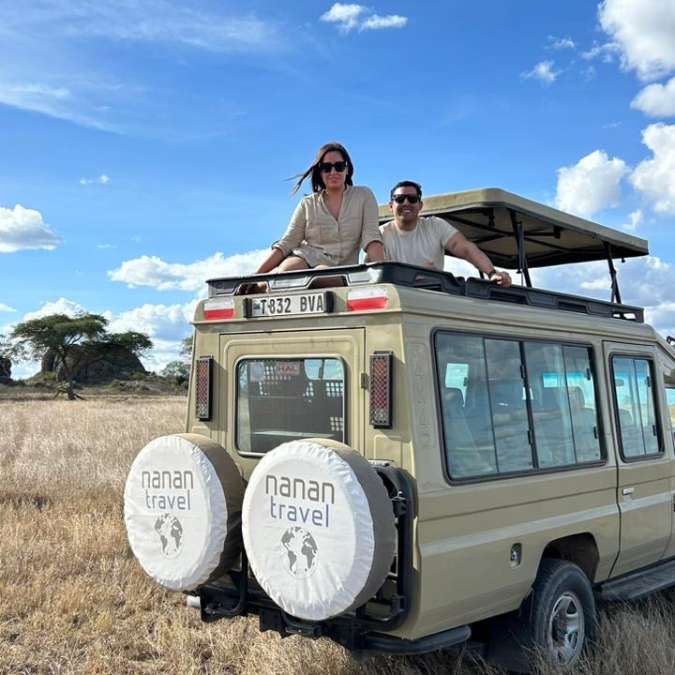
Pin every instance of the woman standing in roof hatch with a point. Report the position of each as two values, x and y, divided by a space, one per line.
329 226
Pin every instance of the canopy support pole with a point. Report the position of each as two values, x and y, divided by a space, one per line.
616 293
520 243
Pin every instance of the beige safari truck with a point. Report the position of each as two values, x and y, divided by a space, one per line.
403 460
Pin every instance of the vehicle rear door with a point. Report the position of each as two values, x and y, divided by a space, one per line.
287 385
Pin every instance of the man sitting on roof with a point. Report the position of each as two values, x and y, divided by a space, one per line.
424 241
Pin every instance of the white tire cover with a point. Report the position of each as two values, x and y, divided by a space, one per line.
318 528
182 510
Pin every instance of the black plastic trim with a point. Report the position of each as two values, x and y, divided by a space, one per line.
424 278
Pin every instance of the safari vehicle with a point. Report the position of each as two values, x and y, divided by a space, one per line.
416 460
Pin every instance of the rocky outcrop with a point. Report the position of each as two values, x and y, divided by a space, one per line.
100 366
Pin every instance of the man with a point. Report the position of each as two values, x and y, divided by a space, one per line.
424 241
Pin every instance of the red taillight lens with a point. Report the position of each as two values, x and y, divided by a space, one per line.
203 371
366 299
380 389
219 309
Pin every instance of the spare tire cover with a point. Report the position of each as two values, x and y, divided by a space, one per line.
318 528
182 510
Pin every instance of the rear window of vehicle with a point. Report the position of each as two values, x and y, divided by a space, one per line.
281 400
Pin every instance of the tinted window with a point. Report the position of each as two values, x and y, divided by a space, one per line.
550 404
487 411
670 397
634 391
280 400
467 424
581 391
509 405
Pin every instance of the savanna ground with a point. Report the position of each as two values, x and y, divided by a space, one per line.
73 599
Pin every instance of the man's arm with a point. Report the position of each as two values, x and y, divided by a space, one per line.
375 252
459 246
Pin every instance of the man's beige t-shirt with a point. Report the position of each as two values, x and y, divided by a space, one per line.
317 236
423 246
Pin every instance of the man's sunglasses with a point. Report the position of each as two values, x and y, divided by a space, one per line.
400 199
327 167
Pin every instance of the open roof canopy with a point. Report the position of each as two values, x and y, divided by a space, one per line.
497 221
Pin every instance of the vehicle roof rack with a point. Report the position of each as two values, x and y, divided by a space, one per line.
412 276
520 234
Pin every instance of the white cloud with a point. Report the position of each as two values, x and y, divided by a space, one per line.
103 179
377 22
656 100
607 52
156 273
647 282
636 218
644 31
349 16
54 101
60 306
543 72
6 308
22 229
162 322
346 16
655 177
150 21
561 42
592 184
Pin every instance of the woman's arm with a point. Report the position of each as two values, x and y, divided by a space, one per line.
272 260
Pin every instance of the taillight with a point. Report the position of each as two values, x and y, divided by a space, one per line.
366 299
219 309
380 389
203 372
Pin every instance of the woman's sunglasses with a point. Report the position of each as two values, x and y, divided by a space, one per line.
327 167
400 199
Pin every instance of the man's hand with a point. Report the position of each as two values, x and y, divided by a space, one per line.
500 278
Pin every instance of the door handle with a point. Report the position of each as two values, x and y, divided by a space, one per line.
628 491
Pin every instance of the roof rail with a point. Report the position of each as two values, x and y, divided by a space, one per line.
412 276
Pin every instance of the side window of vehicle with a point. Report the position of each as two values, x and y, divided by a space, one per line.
582 397
508 403
636 408
551 414
465 405
487 412
670 400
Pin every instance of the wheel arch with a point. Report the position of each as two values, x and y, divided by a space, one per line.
580 549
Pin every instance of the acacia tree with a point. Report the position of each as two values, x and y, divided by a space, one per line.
74 341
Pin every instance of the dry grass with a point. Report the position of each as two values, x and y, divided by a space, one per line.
73 600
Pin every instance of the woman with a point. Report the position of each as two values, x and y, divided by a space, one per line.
329 226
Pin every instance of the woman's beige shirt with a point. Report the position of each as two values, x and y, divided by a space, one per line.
317 236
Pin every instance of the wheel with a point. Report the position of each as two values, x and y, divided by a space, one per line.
561 613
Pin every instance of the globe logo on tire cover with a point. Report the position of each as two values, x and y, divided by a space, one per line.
170 533
301 550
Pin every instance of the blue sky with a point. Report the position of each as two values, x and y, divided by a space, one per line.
146 144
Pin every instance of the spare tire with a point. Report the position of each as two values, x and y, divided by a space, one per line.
182 510
318 528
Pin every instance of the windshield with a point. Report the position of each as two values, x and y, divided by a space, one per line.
281 400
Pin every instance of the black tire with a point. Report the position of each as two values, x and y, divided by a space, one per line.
561 614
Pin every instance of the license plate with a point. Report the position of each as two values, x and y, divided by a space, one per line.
284 305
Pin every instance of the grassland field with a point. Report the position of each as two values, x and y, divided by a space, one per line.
74 600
